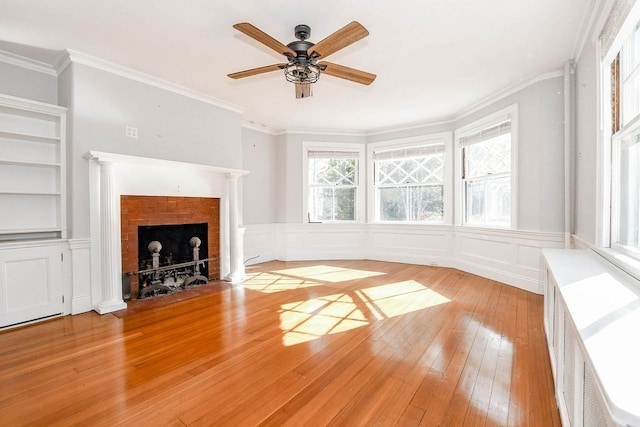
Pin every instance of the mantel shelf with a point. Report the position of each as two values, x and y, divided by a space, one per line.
149 161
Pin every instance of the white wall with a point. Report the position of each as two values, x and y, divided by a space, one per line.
289 176
540 153
585 160
170 126
259 188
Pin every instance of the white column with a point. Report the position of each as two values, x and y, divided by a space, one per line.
237 273
111 299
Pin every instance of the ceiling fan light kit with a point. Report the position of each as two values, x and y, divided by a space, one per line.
302 67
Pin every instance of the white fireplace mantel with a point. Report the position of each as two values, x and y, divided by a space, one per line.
106 248
101 156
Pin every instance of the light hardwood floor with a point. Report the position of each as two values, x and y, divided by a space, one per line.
301 344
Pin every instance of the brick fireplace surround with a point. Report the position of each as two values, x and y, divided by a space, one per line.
160 210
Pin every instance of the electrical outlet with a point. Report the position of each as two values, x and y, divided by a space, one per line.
131 132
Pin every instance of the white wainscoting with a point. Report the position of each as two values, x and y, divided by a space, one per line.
508 256
80 275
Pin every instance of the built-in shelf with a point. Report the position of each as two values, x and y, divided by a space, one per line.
30 193
591 319
27 163
29 138
32 177
30 231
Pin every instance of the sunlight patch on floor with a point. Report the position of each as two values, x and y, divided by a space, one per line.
396 299
328 273
271 283
304 321
309 320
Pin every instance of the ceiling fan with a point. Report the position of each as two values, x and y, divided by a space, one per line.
303 67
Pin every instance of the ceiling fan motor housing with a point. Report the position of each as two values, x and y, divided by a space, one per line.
302 32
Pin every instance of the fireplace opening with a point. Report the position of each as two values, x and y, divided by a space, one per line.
171 257
148 212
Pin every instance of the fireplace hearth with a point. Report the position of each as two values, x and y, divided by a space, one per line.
186 248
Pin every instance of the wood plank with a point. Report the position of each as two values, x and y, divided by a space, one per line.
384 344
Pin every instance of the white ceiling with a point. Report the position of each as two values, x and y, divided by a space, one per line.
433 58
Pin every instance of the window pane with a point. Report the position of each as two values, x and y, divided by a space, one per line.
392 203
427 203
332 204
415 203
629 217
345 199
488 201
333 171
492 156
413 170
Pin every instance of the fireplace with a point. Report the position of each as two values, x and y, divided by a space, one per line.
130 191
172 222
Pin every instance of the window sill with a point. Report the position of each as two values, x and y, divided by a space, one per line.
624 262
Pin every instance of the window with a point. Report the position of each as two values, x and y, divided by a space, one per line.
625 146
409 183
332 180
486 171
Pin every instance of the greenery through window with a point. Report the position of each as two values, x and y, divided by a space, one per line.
486 176
333 186
409 184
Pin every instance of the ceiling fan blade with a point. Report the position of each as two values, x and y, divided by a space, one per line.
264 38
347 73
345 36
254 71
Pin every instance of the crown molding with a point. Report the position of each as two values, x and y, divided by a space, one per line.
410 126
259 128
585 29
508 91
27 63
326 132
119 70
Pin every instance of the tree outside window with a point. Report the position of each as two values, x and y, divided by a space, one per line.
409 184
333 186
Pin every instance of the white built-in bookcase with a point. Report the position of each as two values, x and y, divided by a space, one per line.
32 170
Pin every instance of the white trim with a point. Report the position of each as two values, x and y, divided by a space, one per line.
149 161
335 146
33 106
321 132
510 256
508 113
408 127
585 29
259 128
119 70
27 63
569 144
509 90
624 31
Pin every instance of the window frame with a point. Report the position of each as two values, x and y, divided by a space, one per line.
509 113
359 149
610 141
442 138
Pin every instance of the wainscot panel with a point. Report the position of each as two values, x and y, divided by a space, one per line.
509 256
